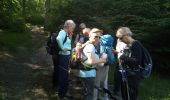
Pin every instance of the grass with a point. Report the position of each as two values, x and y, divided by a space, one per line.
2 93
11 41
156 87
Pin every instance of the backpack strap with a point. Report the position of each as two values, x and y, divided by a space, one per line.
87 66
79 36
65 39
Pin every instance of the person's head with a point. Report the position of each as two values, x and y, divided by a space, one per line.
94 35
78 46
69 26
86 32
82 26
124 34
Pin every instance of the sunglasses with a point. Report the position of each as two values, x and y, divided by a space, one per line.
121 37
96 37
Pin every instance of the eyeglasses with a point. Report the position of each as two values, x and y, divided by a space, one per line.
120 38
96 37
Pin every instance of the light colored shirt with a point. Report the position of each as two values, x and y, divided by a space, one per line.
89 48
120 47
60 38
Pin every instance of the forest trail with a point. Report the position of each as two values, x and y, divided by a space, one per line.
27 75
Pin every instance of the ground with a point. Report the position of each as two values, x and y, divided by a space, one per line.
27 75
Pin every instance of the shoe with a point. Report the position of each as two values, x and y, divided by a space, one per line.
68 95
63 98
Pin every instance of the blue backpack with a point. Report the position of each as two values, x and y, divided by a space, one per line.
146 67
107 42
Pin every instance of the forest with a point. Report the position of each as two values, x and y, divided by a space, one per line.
149 20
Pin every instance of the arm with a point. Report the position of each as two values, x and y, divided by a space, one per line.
136 55
92 56
92 59
60 38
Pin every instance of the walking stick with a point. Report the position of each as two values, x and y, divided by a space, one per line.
124 82
106 91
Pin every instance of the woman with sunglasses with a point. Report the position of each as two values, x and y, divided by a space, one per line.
130 60
88 76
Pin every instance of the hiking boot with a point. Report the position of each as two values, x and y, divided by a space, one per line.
68 95
64 98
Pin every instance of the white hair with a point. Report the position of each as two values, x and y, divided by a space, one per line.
122 31
69 23
82 25
95 31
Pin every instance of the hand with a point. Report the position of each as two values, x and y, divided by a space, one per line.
65 50
123 57
114 51
103 60
104 55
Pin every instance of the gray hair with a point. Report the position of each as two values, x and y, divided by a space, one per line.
82 25
124 31
69 23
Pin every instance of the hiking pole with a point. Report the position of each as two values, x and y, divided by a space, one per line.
124 82
106 91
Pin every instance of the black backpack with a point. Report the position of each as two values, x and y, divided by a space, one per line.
146 67
52 46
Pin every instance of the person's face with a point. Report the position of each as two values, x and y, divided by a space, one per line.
70 29
81 28
94 37
124 39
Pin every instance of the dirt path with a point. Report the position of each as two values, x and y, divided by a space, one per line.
26 75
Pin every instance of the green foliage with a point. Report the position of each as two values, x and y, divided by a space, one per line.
15 13
34 11
35 19
155 88
3 94
12 41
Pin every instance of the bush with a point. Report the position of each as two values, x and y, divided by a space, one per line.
13 23
17 25
35 19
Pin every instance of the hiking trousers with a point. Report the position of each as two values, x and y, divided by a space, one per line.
63 75
133 82
55 71
101 81
89 85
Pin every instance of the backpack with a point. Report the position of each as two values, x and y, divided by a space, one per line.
52 45
146 67
107 42
78 63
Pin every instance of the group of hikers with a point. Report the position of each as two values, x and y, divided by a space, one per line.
90 53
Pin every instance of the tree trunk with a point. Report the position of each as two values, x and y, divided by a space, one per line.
47 14
23 8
